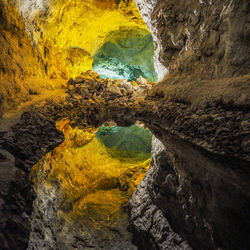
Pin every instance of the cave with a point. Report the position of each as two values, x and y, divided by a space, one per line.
124 124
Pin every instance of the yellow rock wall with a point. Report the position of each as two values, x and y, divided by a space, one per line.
18 58
23 66
56 39
77 29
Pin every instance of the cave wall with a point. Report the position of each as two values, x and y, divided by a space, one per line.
28 137
197 185
20 147
150 226
24 64
54 40
78 185
64 30
196 194
206 38
18 58
129 57
201 187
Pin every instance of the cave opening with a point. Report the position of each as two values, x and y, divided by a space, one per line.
83 187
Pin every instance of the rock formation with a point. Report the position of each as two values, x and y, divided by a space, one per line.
196 193
82 190
91 101
209 39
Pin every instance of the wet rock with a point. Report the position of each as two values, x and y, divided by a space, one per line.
150 226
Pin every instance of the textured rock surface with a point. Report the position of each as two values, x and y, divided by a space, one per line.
195 194
206 38
197 191
27 137
146 9
23 144
82 190
23 67
201 40
44 213
61 28
15 46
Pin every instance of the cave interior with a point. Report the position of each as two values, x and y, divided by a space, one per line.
124 124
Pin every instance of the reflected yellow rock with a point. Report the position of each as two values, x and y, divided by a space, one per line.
102 207
94 181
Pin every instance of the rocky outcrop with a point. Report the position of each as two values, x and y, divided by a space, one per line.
146 9
18 59
202 174
81 193
21 146
43 220
196 194
196 190
23 67
30 135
